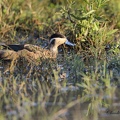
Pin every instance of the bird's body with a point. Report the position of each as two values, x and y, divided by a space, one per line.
32 51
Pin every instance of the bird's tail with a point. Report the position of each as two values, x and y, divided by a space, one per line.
1 54
3 44
8 55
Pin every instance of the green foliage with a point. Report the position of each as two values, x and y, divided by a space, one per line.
92 69
25 15
90 26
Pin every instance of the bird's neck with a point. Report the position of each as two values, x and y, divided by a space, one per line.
54 51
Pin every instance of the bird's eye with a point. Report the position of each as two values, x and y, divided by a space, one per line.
52 42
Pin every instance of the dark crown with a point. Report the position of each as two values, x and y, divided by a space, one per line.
57 35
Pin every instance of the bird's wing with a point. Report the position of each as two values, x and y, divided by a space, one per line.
32 48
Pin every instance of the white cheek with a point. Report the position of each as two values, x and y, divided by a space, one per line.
54 49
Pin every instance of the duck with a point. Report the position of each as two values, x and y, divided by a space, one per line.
34 52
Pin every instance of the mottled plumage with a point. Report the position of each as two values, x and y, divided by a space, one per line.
11 52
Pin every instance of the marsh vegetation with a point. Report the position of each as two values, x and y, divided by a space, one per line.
83 82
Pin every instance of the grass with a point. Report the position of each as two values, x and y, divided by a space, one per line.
84 81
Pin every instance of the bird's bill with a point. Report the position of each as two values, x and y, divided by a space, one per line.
69 43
